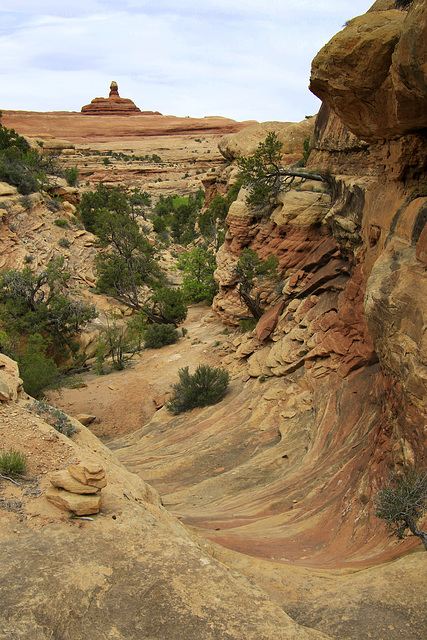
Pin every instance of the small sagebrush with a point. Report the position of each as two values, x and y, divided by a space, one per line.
55 417
205 386
13 463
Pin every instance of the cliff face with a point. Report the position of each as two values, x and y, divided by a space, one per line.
364 244
345 364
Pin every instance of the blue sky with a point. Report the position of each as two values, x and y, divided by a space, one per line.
243 59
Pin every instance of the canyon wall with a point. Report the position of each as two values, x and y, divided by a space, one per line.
334 376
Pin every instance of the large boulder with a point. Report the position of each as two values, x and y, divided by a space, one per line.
245 142
372 74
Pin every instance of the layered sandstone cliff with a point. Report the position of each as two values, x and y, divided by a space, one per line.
277 480
335 392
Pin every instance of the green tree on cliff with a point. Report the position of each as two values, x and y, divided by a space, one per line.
264 176
249 272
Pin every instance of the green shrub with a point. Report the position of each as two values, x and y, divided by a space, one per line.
61 223
160 335
64 243
168 306
38 303
37 370
71 175
247 324
306 153
198 266
205 386
26 202
13 463
55 417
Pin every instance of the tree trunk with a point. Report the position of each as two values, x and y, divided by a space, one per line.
252 304
422 535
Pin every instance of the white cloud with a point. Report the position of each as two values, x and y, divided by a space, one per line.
239 58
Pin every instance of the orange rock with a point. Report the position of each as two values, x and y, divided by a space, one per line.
114 105
268 321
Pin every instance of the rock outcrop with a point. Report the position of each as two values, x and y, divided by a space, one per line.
373 73
114 105
290 134
333 392
130 571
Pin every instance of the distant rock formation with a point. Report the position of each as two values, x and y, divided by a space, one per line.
114 105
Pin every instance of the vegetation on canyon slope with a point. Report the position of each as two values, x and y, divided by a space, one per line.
23 167
39 318
205 386
402 502
264 176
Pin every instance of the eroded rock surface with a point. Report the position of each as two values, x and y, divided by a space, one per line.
373 72
114 105
132 571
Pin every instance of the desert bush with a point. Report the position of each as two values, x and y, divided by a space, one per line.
160 335
60 222
38 303
25 168
55 417
12 462
36 369
205 386
64 243
53 204
198 266
306 153
402 502
26 202
119 341
264 177
72 175
250 271
167 306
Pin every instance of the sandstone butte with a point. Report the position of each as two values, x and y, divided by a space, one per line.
265 526
114 105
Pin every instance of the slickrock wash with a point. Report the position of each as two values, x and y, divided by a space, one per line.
265 526
285 468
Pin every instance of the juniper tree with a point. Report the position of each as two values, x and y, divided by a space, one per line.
402 502
264 176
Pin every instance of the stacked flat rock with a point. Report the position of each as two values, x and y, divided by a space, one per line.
77 488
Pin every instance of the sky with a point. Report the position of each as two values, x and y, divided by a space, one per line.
241 59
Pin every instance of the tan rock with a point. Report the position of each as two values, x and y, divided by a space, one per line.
161 400
64 480
88 474
301 208
10 382
245 142
372 73
81 505
256 364
85 418
7 189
